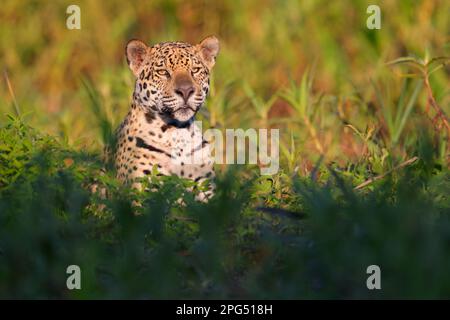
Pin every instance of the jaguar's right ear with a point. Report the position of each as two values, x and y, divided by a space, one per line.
135 52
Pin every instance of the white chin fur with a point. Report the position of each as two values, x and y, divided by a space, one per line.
183 115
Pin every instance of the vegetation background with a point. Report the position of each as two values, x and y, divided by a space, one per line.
364 175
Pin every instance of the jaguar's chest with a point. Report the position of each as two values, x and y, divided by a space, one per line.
145 141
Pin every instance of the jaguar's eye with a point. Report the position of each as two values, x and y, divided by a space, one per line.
196 70
163 72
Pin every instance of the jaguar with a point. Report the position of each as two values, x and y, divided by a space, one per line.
172 81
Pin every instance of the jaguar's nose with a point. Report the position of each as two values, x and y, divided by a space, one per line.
184 86
185 92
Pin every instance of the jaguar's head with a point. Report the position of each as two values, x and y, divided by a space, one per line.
172 78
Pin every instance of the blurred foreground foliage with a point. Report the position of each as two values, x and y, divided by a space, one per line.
257 238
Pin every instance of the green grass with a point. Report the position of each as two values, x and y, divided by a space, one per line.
364 155
242 244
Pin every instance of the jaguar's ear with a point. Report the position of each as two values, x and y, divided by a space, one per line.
208 49
135 52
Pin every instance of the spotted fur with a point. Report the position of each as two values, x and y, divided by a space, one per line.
172 82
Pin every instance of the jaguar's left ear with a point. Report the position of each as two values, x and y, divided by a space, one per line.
208 49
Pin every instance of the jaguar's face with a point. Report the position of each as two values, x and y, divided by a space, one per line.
172 78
